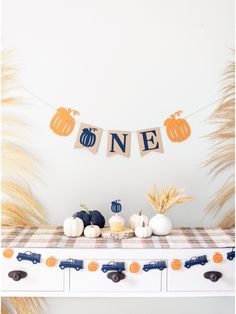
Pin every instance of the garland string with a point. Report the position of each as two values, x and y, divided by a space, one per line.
40 99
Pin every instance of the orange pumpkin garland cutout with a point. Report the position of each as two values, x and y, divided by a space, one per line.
63 122
176 264
134 267
178 130
217 257
8 252
51 261
93 266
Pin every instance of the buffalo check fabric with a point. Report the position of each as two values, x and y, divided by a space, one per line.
53 237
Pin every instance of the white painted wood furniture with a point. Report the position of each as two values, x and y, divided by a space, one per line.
42 280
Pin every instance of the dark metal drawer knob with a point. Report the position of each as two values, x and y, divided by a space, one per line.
17 274
116 276
213 275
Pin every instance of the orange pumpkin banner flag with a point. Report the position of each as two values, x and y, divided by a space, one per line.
63 122
178 130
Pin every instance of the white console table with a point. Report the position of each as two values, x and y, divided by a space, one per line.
181 244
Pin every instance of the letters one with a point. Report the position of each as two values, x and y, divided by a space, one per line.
118 142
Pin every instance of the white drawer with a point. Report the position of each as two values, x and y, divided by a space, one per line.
193 279
85 281
39 276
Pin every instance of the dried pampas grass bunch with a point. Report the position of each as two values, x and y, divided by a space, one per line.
18 166
22 305
222 156
19 206
166 199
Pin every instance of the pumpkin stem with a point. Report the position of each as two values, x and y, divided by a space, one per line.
85 208
143 224
75 112
140 213
177 113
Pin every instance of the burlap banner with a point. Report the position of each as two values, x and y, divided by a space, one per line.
118 141
89 137
150 141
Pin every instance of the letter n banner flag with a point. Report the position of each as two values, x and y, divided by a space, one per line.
118 143
150 141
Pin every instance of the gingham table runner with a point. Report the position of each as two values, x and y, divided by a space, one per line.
52 237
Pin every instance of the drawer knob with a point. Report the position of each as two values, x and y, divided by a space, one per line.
17 275
213 275
116 276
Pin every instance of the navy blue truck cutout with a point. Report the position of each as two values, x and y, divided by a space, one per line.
113 266
71 263
29 256
231 254
196 260
155 265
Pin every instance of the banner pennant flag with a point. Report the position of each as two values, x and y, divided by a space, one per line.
119 143
150 141
89 137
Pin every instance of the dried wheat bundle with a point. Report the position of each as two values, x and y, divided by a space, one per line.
166 199
222 156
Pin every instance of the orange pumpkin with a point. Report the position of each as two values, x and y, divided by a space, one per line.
134 267
8 252
178 130
92 266
62 122
176 264
51 261
217 257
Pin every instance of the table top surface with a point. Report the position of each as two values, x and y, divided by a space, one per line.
180 238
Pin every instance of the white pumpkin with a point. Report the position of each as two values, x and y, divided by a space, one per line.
143 231
73 227
117 223
137 220
92 231
160 224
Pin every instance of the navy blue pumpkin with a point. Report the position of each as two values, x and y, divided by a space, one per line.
90 216
88 137
116 206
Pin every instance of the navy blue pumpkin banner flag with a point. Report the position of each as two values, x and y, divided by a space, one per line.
119 143
89 137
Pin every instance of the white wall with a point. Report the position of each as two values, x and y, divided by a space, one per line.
123 65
